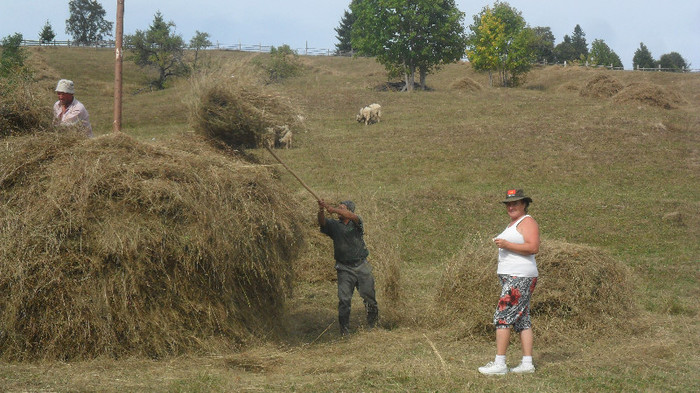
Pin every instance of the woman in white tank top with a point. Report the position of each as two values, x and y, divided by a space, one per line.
517 270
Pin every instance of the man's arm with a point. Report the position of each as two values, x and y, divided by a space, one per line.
344 213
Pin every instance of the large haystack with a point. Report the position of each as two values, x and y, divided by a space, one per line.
113 247
649 94
601 86
231 105
580 290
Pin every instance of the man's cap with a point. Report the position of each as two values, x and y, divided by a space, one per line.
349 204
516 195
65 86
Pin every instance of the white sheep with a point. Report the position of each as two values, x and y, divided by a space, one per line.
369 114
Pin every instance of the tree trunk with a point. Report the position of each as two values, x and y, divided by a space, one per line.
423 75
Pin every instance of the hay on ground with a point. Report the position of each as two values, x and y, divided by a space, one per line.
467 84
230 105
580 290
601 86
649 94
114 247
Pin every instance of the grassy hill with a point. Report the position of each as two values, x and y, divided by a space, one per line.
611 162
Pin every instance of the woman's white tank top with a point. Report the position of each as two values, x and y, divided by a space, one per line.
512 263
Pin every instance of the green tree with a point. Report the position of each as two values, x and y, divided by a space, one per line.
409 36
565 51
544 45
158 48
283 63
47 35
578 40
87 23
642 58
344 31
12 56
601 54
673 61
501 42
198 42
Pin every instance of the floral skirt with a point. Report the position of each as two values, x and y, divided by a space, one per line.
514 304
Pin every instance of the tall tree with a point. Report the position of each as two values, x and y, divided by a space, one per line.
544 45
673 61
158 48
578 40
409 36
87 23
642 58
344 31
47 35
601 54
565 51
198 42
501 42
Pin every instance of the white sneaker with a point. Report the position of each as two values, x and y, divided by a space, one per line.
523 368
492 368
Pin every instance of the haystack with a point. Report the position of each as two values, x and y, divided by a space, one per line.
467 84
581 289
601 86
232 106
649 94
23 106
114 247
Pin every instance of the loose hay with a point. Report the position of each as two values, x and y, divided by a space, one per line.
230 105
649 94
601 86
467 84
113 247
23 107
580 290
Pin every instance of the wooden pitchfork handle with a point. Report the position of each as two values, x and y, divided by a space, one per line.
293 174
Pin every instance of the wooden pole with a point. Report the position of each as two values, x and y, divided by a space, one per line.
293 174
118 67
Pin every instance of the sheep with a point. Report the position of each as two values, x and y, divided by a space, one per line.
370 114
278 136
286 139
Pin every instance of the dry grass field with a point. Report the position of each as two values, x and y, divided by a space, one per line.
611 159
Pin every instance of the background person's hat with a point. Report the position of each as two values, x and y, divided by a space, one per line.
65 86
516 195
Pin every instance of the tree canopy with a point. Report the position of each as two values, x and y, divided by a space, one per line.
601 54
409 36
544 45
87 23
159 48
199 41
501 42
344 31
642 58
673 61
47 34
12 56
578 40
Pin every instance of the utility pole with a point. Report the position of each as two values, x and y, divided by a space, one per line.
118 67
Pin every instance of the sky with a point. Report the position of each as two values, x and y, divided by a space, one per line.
622 24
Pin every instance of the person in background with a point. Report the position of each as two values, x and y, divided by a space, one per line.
517 271
351 264
69 111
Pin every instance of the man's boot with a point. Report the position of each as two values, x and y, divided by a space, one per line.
344 322
372 316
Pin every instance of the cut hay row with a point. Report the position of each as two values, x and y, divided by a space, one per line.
114 247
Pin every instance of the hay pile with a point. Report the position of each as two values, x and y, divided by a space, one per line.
467 84
580 290
113 247
23 106
649 94
232 106
601 86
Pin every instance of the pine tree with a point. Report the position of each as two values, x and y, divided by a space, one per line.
344 31
642 58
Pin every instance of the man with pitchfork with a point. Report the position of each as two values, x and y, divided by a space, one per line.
351 265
